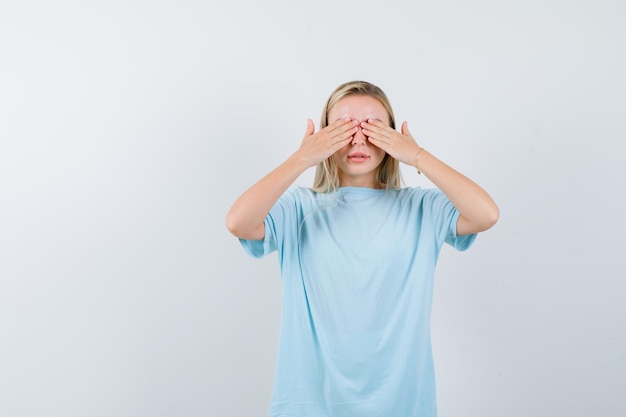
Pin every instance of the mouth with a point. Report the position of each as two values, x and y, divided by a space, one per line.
358 157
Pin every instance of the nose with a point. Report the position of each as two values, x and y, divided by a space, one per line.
359 138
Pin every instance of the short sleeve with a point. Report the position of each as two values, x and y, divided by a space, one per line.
260 248
445 217
458 242
277 222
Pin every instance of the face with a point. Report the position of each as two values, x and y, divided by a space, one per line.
358 161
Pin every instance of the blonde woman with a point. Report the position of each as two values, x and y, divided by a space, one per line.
357 255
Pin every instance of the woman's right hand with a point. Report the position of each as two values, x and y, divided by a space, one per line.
316 147
246 217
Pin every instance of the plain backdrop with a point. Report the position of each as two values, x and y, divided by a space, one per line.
127 128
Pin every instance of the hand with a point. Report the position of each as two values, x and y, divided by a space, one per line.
399 145
316 147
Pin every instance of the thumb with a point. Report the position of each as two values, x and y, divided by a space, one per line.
310 128
405 129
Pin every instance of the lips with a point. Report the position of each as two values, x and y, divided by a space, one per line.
358 157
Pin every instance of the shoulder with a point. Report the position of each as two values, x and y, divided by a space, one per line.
425 198
303 197
425 192
418 193
299 194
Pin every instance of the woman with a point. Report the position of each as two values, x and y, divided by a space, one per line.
357 254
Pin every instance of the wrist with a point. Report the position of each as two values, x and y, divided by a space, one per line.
299 161
417 158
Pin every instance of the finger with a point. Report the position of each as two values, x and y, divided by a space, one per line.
406 132
342 126
375 127
345 136
377 123
405 129
310 128
376 134
379 143
339 122
342 141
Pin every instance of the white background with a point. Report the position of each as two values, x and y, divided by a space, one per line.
127 128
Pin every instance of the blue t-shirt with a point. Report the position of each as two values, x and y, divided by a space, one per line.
357 270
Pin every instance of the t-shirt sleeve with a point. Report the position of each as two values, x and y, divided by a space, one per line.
265 246
445 217
275 225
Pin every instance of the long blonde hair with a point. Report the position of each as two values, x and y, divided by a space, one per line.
326 173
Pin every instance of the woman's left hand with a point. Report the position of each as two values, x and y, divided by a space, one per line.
400 145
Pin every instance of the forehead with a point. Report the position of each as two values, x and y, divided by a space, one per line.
358 107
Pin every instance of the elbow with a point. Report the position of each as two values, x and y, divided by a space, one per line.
486 221
483 220
242 230
232 225
492 217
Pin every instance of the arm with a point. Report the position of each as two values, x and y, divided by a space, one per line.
478 211
246 217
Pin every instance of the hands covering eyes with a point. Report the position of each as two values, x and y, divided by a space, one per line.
317 146
399 145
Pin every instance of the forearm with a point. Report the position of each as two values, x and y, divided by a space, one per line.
246 217
477 209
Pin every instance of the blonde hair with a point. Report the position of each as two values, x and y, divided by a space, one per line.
326 173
